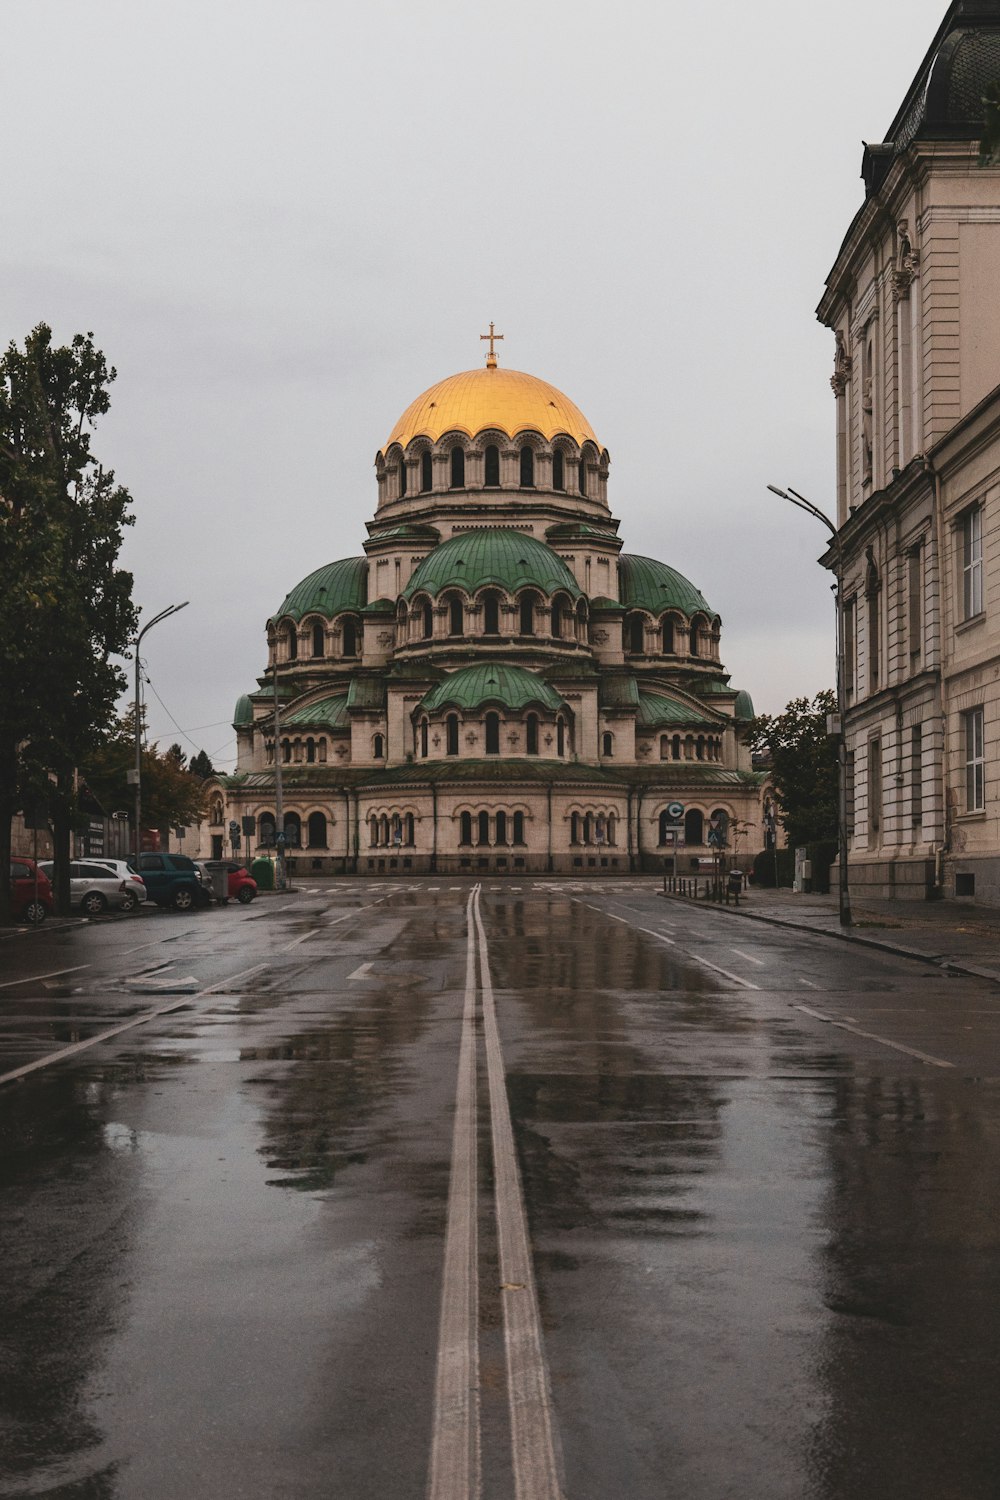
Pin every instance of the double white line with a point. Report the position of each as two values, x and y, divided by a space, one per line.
455 1468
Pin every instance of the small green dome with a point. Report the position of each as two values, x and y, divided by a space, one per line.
334 587
644 583
507 558
743 707
243 712
491 682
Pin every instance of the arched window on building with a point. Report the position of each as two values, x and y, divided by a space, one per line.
699 747
675 747
451 732
428 619
491 614
492 457
378 747
583 475
558 611
694 826
664 747
373 831
501 837
423 738
526 606
349 638
607 743
527 468
383 830
457 468
402 475
293 643
492 734
560 737
518 821
286 751
667 635
322 750
636 634
531 730
426 471
574 828
456 616
558 470
588 828
311 751
483 836
216 812
265 829
612 829
697 626
318 639
465 828
408 830
293 830
317 830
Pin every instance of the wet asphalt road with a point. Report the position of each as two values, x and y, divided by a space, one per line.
758 1172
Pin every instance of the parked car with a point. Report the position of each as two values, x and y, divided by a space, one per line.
123 869
172 880
94 888
30 898
206 894
242 886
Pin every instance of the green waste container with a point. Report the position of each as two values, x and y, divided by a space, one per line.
262 871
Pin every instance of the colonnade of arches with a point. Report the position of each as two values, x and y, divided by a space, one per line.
298 750
598 828
691 747
492 461
391 830
316 830
491 828
697 825
315 639
491 614
492 733
671 634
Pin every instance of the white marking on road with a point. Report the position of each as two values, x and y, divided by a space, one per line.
532 1423
749 957
804 980
871 1036
455 1447
362 970
650 932
300 939
36 978
736 978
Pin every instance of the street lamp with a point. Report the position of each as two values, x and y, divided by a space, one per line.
170 610
794 498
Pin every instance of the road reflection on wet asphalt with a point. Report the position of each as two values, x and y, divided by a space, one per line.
766 1249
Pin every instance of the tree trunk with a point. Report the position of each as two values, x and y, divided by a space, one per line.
62 829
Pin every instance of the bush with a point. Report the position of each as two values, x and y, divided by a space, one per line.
767 861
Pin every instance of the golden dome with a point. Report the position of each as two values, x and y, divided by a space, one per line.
476 399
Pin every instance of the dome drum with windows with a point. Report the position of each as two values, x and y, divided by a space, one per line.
494 684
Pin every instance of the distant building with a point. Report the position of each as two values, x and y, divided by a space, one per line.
914 303
494 685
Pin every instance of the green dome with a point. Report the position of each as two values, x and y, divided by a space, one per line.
656 711
743 707
330 712
243 712
644 583
470 687
509 559
335 587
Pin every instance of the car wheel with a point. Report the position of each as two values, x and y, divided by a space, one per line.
94 904
129 902
245 895
34 913
183 898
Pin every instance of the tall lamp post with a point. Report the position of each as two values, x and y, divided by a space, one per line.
170 610
794 498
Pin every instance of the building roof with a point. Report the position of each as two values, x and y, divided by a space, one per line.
243 712
743 707
331 712
656 712
510 559
644 583
475 400
617 690
367 693
491 682
334 587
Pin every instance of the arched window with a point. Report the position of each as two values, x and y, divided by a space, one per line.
699 747
396 830
588 828
667 636
636 634
518 821
311 751
532 734
696 627
402 475
492 734
527 611
426 471
501 837
492 480
293 830
574 828
383 830
373 831
451 731
583 475
527 468
484 829
675 747
319 639
456 616
465 834
457 468
694 826
612 828
293 643
560 737
664 747
286 750
491 615
266 829
408 831
428 615
558 477
423 738
349 638
557 618
378 747
607 744
317 830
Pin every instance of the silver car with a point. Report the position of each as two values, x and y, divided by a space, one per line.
124 871
95 888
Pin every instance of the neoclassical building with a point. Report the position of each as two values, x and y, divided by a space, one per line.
493 685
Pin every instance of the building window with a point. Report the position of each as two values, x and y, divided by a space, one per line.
457 468
492 734
583 475
607 744
501 837
560 737
492 457
402 476
293 643
286 750
426 472
451 732
874 788
428 616
317 830
917 775
574 828
531 729
518 821
408 830
483 830
349 637
527 468
373 831
293 830
378 747
558 465
423 738
850 645
667 636
527 610
456 617
491 615
873 591
557 619
318 640
311 751
975 791
972 563
694 826
465 829
915 602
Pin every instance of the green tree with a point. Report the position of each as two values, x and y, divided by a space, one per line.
803 764
201 766
65 606
170 794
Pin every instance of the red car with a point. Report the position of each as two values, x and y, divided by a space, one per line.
30 891
242 887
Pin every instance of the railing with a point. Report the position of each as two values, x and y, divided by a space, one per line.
702 888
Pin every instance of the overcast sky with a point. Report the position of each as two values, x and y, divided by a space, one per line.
282 222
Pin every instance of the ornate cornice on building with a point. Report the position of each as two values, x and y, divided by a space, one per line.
842 366
907 267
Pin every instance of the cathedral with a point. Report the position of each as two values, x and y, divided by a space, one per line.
493 685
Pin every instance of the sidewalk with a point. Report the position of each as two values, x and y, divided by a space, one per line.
955 935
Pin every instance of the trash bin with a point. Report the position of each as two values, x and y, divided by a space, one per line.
735 882
220 884
262 870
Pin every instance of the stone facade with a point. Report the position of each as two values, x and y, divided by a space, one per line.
912 303
493 685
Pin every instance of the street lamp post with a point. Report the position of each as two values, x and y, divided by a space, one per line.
172 609
794 498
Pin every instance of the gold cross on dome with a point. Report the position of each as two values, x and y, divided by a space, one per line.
491 358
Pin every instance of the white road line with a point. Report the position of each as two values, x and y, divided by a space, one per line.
650 932
35 978
455 1446
362 970
883 1041
532 1423
804 980
103 1036
717 968
749 957
300 939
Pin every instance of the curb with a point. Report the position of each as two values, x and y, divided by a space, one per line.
896 949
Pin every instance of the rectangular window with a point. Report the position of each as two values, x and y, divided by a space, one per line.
975 799
915 603
972 563
917 775
874 788
873 639
850 645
